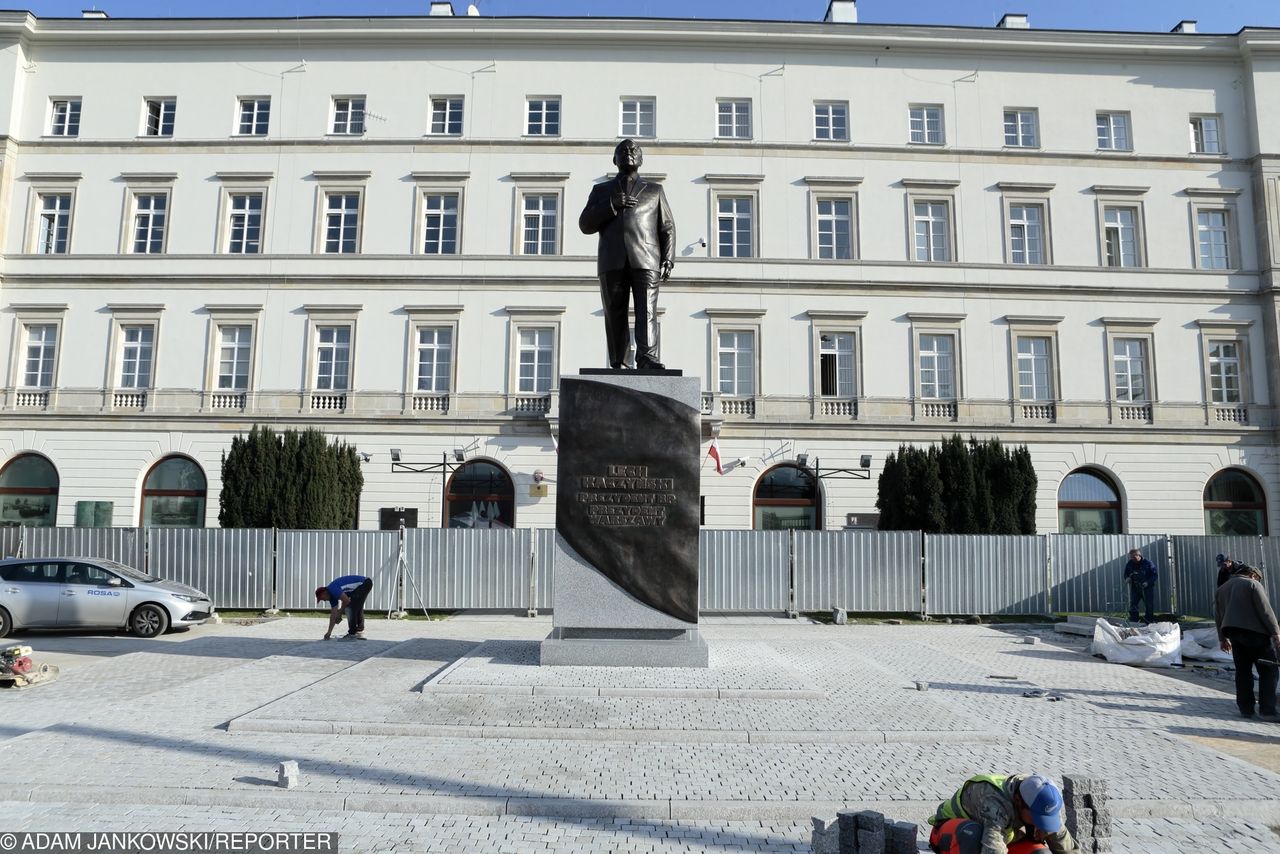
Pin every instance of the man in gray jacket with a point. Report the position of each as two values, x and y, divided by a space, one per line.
1247 629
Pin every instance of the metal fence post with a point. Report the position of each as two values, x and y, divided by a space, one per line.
1173 575
924 584
791 574
275 571
533 572
400 613
1048 573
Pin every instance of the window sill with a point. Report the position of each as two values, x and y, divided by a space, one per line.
913 144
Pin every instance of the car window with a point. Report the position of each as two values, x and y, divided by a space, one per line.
87 574
33 573
128 571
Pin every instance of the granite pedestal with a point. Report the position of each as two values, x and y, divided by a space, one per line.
625 575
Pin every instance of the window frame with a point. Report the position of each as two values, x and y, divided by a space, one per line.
330 316
838 323
169 101
333 184
1018 113
448 101
638 100
131 315
831 105
436 183
735 103
1200 118
930 191
49 184
150 184
239 184
1019 194
1142 329
543 100
827 189
75 105
735 320
1215 330
933 324
429 316
238 116
230 315
924 119
351 102
26 315
1034 326
1216 200
1107 196
528 317
522 194
1111 116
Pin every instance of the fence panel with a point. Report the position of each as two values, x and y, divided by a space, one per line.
1196 568
126 545
985 574
858 570
1088 571
744 571
544 557
232 565
468 568
1271 568
307 559
10 537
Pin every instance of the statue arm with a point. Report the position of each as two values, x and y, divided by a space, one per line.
598 212
666 230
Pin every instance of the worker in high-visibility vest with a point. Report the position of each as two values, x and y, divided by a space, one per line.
964 836
1011 808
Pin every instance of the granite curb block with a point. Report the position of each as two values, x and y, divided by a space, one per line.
1258 811
643 693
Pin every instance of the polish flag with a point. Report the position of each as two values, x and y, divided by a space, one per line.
714 453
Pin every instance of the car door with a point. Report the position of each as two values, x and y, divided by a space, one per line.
31 593
91 596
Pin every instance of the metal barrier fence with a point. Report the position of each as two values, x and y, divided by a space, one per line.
857 570
737 573
307 559
234 566
765 571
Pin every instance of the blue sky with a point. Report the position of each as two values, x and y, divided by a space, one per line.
1144 15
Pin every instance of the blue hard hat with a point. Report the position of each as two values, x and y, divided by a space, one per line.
1043 801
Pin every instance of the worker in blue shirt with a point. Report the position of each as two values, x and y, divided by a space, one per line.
1141 575
349 591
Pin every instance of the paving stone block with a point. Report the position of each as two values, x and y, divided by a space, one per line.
287 774
826 837
870 820
870 841
900 837
848 823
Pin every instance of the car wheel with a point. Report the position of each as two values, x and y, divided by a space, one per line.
6 623
149 621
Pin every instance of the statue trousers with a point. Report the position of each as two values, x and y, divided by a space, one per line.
618 290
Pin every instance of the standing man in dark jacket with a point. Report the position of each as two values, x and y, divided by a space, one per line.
1247 629
637 252
1142 575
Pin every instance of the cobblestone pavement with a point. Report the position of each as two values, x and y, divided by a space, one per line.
186 734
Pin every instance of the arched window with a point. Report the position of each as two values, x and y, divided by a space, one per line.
787 496
1234 504
29 492
173 495
480 495
1088 503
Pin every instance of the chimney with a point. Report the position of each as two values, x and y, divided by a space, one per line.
842 12
1014 21
93 13
1184 27
442 7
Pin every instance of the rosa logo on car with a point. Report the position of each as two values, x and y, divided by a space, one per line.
103 592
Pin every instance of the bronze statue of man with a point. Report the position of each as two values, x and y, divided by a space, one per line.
637 252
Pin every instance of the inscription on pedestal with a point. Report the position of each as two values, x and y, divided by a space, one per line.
627 497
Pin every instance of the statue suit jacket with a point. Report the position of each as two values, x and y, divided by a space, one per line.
644 235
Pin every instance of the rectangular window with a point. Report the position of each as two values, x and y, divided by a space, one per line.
1224 372
333 358
435 358
1212 235
1120 236
160 116
54 227
937 367
137 346
737 361
446 116
64 117
835 362
255 116
1020 129
42 345
234 349
926 125
1130 366
440 221
835 229
342 223
1113 132
348 116
831 120
1034 369
244 224
1026 234
540 224
536 348
1205 138
543 117
932 230
637 119
733 118
149 221
734 227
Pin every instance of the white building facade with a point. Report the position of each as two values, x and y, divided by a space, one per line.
885 234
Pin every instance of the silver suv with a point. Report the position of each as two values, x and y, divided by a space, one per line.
81 592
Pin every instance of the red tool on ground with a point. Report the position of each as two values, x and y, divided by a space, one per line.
17 670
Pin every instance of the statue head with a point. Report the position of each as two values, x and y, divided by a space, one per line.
628 156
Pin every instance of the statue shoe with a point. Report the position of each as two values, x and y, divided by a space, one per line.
650 365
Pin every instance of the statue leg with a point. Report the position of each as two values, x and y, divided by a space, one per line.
613 298
644 286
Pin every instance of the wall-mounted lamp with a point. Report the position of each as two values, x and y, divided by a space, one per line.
395 455
865 461
742 461
802 460
459 454
364 456
702 241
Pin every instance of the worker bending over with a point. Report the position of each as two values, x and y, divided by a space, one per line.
1011 808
